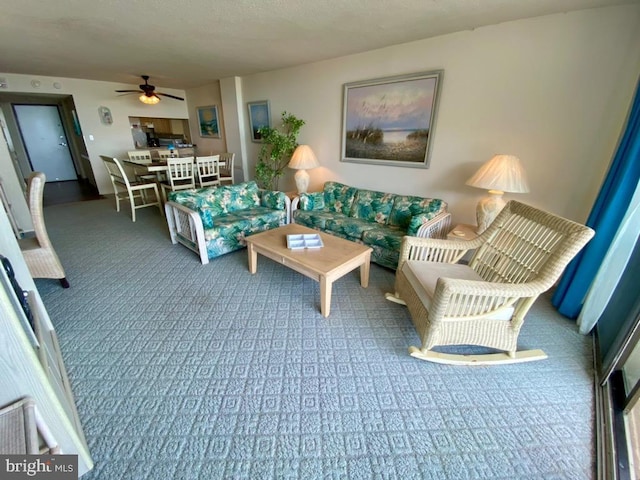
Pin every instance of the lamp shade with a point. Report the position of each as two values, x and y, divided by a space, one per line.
149 100
503 173
303 158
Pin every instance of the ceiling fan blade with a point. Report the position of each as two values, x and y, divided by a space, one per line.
170 96
129 91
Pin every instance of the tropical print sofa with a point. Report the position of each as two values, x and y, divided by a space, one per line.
213 221
376 219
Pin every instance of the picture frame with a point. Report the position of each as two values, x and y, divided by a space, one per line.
259 116
208 121
391 120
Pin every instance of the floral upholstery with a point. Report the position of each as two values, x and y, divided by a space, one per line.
373 206
230 213
338 197
406 207
376 219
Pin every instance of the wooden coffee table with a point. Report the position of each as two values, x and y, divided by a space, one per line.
324 265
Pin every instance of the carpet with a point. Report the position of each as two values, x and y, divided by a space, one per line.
186 371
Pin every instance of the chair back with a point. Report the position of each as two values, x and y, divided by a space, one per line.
226 167
142 156
116 172
524 244
180 173
35 192
208 170
164 154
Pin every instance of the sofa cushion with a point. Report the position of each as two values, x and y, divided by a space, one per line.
259 216
406 206
349 227
315 218
273 200
372 206
312 201
388 236
238 196
196 198
338 197
423 277
229 231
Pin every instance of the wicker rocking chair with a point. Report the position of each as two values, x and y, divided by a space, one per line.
520 256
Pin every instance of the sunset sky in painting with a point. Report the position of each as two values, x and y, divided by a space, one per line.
401 105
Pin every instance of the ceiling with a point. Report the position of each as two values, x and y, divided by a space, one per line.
189 43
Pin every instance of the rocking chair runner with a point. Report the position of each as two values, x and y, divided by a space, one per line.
520 256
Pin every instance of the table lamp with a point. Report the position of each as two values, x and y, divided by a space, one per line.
503 173
302 160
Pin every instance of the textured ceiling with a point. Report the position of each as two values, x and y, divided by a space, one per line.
188 43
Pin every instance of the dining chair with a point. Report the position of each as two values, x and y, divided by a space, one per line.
226 167
137 192
180 175
141 156
520 255
164 154
38 252
208 170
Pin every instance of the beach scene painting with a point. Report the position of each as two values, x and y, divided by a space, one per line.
391 121
208 121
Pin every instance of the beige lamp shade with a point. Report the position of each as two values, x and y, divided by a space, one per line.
503 173
303 159
152 100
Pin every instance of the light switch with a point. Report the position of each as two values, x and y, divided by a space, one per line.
91 137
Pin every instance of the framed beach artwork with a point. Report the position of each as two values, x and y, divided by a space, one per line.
391 121
208 121
259 116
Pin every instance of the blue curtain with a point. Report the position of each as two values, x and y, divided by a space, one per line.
605 217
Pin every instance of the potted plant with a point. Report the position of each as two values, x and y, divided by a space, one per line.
277 147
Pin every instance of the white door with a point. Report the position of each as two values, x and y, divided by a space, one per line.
45 141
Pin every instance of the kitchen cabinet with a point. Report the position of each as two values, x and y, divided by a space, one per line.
168 128
160 125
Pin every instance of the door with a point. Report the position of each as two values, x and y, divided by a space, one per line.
45 141
619 347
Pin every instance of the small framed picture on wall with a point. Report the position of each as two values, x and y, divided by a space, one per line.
259 116
208 121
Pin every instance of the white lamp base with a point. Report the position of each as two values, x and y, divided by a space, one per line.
302 180
488 209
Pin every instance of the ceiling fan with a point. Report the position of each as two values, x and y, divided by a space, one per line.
149 95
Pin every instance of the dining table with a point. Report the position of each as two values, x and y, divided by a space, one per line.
155 167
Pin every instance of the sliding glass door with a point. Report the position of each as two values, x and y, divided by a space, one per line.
619 377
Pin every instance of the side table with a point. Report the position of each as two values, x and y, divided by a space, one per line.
462 231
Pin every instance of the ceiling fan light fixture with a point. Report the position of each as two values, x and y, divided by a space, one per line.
149 100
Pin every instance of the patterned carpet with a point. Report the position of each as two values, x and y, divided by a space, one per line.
185 371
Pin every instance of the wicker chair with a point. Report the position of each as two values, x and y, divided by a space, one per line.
520 256
38 252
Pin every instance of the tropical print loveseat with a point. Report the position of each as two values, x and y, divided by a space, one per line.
213 221
376 219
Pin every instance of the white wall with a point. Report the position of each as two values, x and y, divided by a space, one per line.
89 95
204 97
552 90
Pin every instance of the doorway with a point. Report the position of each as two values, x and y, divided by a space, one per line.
45 141
618 340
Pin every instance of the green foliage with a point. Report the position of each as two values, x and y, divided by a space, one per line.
277 148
